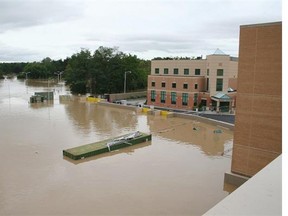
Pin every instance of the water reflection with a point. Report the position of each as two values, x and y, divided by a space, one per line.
101 119
46 104
191 132
177 173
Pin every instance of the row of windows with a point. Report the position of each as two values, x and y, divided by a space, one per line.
174 85
219 85
185 97
220 72
197 71
186 71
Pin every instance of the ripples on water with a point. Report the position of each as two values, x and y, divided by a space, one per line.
180 172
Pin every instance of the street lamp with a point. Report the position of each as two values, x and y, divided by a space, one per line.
125 80
59 75
27 74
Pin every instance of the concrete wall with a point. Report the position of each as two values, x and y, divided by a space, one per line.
258 123
260 195
205 120
120 106
122 96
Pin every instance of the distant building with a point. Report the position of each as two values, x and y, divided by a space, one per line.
192 83
258 123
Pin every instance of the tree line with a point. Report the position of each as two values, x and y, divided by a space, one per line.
85 72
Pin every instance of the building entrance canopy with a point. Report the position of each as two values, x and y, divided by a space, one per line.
221 97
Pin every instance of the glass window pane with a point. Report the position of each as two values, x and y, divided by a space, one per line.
220 72
197 71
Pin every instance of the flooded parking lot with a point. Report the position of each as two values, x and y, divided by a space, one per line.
179 172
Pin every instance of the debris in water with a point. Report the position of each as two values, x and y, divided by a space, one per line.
218 131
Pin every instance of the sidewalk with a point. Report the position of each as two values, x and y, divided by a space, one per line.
224 117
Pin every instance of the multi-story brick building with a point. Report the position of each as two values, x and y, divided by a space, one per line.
258 123
192 83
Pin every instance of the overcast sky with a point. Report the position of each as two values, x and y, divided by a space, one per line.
31 30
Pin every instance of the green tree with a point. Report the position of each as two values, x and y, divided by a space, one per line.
37 70
78 70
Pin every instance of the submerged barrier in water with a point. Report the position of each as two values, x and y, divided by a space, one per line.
104 146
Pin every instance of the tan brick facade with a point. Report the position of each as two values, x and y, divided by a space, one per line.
195 79
258 125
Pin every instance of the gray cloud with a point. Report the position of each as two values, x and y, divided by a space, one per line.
20 13
8 53
143 27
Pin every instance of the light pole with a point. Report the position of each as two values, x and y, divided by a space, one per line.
27 74
59 75
125 80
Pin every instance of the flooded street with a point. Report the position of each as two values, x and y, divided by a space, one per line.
180 172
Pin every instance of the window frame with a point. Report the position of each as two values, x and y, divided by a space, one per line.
220 72
163 96
176 71
219 84
186 71
195 99
166 71
153 95
173 97
184 85
185 97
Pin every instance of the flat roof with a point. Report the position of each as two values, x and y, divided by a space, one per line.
260 195
261 24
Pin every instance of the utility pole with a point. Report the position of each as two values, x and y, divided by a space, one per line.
125 80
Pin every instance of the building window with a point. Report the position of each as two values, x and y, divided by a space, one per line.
185 86
163 96
197 71
208 72
153 95
176 71
156 70
220 72
153 84
163 84
166 70
174 85
196 86
207 85
186 71
195 99
219 85
173 97
184 99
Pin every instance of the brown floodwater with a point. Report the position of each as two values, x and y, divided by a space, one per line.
180 172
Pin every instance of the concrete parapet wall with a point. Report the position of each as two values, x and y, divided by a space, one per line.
134 108
235 179
122 96
154 112
205 120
